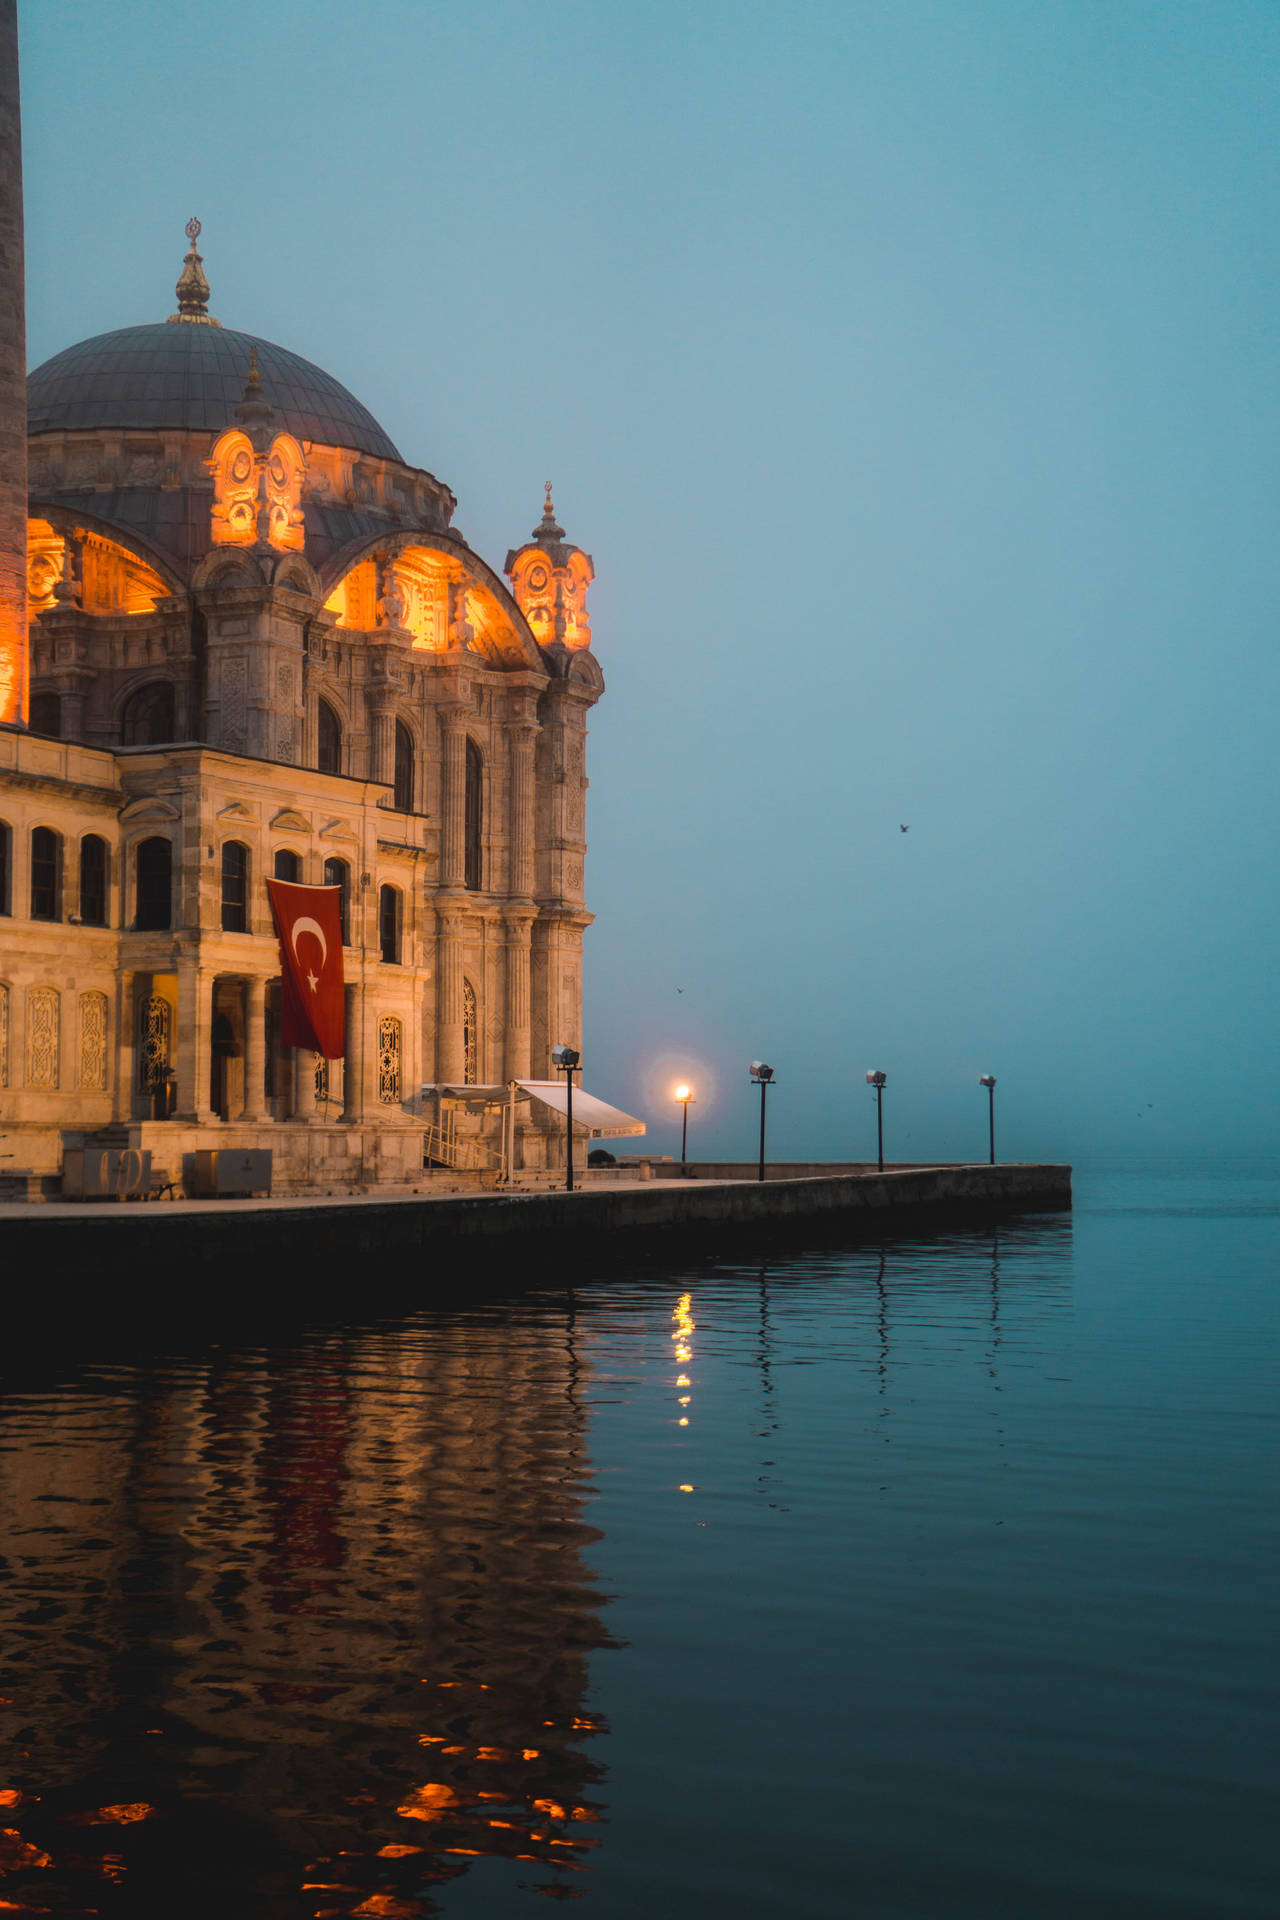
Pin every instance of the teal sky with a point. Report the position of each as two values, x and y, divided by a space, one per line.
910 371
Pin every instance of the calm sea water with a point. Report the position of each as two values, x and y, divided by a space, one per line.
931 1578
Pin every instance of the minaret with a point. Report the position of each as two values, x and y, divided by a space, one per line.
13 388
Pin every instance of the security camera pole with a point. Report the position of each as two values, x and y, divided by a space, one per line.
762 1075
876 1079
564 1060
988 1080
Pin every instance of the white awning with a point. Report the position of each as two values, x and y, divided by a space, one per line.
591 1115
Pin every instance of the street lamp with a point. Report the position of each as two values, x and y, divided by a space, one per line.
876 1079
762 1075
685 1096
565 1060
988 1080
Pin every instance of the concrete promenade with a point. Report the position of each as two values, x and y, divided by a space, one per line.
608 1221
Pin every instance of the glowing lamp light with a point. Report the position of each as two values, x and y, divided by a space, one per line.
684 1096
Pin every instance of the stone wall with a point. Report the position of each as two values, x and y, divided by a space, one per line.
13 387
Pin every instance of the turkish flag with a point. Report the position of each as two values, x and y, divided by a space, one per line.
313 1008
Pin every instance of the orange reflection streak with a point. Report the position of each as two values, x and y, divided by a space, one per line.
124 1815
429 1802
392 1851
17 1854
387 1907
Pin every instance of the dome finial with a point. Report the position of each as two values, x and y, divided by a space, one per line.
548 528
192 288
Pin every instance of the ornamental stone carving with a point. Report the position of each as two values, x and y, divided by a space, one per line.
93 1042
42 1037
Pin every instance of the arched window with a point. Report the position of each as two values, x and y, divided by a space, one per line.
46 715
470 1036
389 924
147 720
154 872
6 865
328 739
288 864
404 769
338 874
46 874
235 887
93 880
474 815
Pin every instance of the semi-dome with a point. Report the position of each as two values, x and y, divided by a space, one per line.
191 378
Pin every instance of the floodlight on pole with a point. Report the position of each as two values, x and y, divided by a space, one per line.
876 1079
685 1097
565 1060
988 1080
762 1075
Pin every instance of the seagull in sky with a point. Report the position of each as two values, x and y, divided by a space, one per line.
902 829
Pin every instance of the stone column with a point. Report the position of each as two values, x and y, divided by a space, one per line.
454 809
522 737
126 1041
304 1084
195 1017
255 1049
519 941
383 748
450 1039
353 1089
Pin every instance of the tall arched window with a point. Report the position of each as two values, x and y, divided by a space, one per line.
288 864
147 720
338 874
235 887
474 815
93 880
154 874
46 715
389 924
404 769
328 739
470 1036
6 866
46 874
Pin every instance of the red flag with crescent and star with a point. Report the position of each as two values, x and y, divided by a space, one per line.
313 1006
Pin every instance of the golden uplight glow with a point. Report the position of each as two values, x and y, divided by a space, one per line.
112 580
684 1093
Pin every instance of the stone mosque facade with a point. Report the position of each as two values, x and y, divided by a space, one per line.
258 647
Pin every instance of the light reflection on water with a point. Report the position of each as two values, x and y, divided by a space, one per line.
918 1579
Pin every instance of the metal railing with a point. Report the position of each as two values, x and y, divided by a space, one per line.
442 1147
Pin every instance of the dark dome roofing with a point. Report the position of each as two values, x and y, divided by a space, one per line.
192 378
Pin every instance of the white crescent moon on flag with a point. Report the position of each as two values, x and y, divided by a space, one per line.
310 926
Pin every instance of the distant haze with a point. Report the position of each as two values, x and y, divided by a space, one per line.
910 372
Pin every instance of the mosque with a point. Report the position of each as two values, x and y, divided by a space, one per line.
252 645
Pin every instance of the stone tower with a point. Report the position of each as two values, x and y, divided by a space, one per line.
13 388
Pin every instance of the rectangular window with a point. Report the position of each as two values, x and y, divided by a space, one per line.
46 874
389 925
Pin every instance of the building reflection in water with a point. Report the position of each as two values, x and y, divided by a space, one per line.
304 1633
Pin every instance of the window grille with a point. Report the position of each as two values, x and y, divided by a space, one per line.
389 1060
403 795
46 874
235 887
42 1037
93 1042
322 1077
93 880
154 1022
328 739
474 816
154 885
147 720
470 1038
337 874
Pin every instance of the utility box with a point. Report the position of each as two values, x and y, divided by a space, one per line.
222 1171
106 1173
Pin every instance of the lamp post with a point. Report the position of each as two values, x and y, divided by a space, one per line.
762 1075
988 1080
685 1096
876 1079
565 1060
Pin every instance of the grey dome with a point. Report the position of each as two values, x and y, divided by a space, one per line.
192 378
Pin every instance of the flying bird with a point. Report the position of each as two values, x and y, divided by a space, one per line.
679 989
902 829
